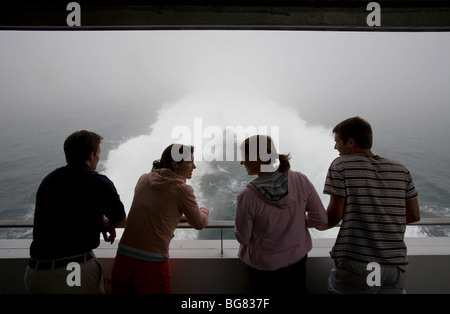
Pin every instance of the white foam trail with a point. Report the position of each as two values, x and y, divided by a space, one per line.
311 147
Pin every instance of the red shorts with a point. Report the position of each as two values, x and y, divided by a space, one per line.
131 275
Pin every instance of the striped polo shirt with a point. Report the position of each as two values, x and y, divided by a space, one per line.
374 221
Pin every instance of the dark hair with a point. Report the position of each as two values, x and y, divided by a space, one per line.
269 151
173 152
356 128
80 144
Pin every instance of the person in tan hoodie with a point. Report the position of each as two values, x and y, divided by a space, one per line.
161 199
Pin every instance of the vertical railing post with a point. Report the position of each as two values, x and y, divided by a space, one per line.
221 243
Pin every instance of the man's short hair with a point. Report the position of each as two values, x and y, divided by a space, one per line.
80 144
356 128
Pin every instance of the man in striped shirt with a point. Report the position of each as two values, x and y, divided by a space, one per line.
375 198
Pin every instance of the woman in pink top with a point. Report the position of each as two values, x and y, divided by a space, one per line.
273 214
161 199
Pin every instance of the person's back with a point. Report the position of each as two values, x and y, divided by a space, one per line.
374 223
375 198
70 204
74 204
278 234
161 199
273 213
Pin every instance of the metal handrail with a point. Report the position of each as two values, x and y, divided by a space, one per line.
182 225
218 224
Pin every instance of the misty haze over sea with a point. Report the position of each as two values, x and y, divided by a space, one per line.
136 88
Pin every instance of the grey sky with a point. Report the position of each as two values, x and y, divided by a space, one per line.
325 75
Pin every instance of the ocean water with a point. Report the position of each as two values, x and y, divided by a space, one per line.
143 91
29 153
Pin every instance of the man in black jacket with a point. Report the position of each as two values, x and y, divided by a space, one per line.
74 204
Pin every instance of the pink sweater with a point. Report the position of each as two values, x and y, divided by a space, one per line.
160 199
274 234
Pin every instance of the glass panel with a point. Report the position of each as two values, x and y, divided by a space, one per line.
142 90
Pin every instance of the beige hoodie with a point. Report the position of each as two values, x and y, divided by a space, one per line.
160 199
